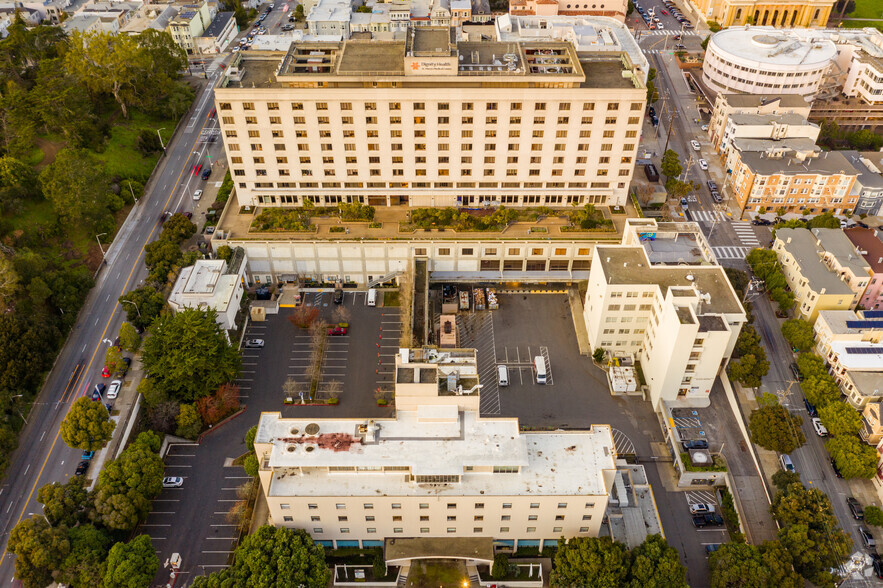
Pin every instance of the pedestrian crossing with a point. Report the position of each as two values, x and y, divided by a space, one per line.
672 32
707 216
730 252
745 232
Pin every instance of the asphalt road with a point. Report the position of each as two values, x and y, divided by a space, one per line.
42 457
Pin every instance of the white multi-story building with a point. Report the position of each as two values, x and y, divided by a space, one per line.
727 105
432 121
435 470
850 342
679 320
212 283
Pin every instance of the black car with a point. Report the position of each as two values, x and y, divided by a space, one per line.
715 195
855 508
695 444
715 519
796 372
206 173
810 408
82 468
835 468
699 521
878 565
338 296
654 121
761 222
651 112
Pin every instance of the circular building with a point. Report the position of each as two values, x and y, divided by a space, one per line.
766 60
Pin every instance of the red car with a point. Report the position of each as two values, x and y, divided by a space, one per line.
337 331
105 373
665 13
196 169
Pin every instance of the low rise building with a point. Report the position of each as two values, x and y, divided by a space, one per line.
872 423
847 341
787 13
869 182
772 127
808 181
218 36
810 272
190 23
727 105
435 470
846 326
611 8
869 245
214 284
679 320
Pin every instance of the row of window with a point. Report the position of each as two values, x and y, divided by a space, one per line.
421 172
505 185
425 505
442 120
440 106
488 160
626 147
450 519
345 530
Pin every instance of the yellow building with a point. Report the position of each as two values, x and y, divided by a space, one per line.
797 13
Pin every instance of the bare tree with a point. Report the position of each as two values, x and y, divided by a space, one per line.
342 314
406 310
290 389
333 388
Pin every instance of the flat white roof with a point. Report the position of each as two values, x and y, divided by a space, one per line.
776 47
859 355
552 463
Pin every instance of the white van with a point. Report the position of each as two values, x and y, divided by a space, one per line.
502 375
540 365
372 297
787 464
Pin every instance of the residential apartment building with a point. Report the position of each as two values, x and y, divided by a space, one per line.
435 470
611 8
772 127
431 121
782 175
190 23
869 245
680 321
219 34
214 284
727 105
872 423
820 272
869 182
793 13
847 340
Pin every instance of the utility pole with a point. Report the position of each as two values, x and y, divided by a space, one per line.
671 122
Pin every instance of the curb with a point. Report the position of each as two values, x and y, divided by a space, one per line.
221 424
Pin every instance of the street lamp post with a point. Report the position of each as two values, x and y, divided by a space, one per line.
161 144
17 409
133 193
103 254
133 304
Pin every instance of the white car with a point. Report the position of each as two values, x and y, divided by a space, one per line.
114 389
695 145
821 431
254 343
659 25
172 482
197 195
701 508
703 164
704 127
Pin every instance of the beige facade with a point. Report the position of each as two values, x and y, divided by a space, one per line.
838 334
799 13
679 321
610 8
431 122
190 23
872 423
727 105
437 469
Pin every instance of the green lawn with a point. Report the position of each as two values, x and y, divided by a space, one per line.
867 9
447 574
861 24
34 215
120 156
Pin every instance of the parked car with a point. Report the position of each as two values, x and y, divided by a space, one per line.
835 468
254 343
712 185
699 521
796 372
197 195
651 111
701 508
114 389
172 482
337 331
105 373
867 538
82 468
338 296
821 431
98 391
855 508
810 408
695 444
87 455
761 222
877 563
703 165
715 519
787 464
695 145
206 173
711 548
716 196
124 369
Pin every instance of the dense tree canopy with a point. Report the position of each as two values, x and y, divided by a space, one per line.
774 428
39 548
64 504
854 459
143 306
656 564
840 418
798 333
738 565
187 355
272 557
87 425
127 484
132 564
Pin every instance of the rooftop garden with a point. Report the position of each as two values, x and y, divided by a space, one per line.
299 219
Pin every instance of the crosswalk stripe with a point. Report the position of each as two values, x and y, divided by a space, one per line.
725 252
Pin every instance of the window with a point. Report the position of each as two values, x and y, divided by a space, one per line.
397 530
452 518
507 505
397 518
562 505
372 529
424 529
532 517
559 517
452 529
312 506
531 529
452 505
534 504
424 505
476 529
504 529
369 518
424 518
396 505
317 529
341 519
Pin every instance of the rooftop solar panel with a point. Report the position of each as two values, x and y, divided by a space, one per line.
873 314
865 350
874 324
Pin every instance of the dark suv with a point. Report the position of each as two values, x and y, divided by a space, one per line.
338 296
695 444
206 173
855 508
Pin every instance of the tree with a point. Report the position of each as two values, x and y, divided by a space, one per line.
671 164
84 565
598 354
39 549
64 504
113 359
148 142
143 306
161 257
106 63
500 568
874 516
127 484
705 41
76 186
224 252
749 369
8 282
189 422
273 557
779 562
747 342
840 418
798 333
599 558
865 140
736 565
299 13
656 564
774 428
87 425
854 459
130 340
188 356
132 564
824 221
177 229
738 279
